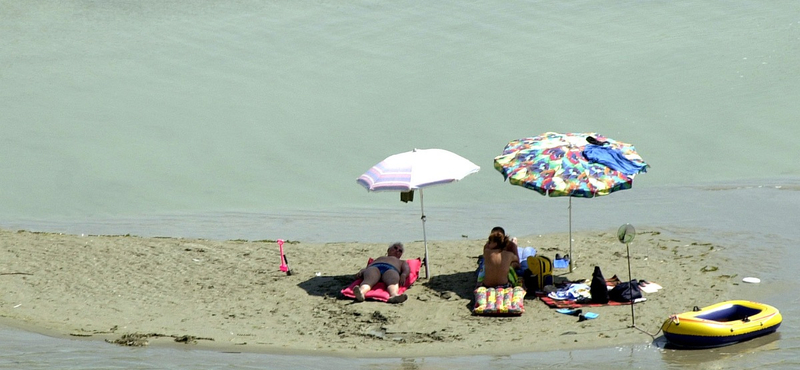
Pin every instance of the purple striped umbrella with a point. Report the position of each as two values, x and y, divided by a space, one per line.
416 170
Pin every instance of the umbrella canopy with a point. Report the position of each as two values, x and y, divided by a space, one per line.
415 170
570 164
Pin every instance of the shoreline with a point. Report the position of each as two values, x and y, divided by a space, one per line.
103 287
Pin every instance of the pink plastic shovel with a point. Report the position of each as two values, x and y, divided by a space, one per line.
284 261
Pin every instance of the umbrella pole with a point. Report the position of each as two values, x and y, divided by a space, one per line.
633 301
571 256
424 235
630 289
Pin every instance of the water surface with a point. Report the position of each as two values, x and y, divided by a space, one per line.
252 120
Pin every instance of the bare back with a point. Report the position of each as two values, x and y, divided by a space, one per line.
496 264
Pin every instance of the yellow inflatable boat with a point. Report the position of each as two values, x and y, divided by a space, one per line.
721 324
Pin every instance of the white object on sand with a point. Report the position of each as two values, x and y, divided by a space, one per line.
651 288
753 280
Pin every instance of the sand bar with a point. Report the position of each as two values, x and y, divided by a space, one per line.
231 295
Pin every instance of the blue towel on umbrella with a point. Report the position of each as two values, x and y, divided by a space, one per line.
613 159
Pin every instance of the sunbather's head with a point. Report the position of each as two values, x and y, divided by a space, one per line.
497 239
396 249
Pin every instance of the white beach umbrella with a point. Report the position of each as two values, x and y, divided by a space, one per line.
415 170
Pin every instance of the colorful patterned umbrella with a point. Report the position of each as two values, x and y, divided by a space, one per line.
572 164
416 170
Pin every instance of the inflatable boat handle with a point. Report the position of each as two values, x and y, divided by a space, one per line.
749 327
675 319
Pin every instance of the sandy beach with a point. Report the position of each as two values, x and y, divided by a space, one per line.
231 295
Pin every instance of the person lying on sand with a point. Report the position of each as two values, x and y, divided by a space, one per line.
390 269
498 259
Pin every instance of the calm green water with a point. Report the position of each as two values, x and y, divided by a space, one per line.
252 119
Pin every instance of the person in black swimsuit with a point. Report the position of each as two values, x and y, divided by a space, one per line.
390 269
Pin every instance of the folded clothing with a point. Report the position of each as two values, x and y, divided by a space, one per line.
379 292
572 292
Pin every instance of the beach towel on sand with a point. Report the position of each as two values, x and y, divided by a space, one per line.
569 303
379 292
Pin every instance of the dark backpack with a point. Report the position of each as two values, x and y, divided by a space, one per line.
626 291
598 288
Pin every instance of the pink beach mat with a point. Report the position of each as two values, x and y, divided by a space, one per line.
378 292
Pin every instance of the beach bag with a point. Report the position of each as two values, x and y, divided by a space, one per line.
598 288
626 292
539 273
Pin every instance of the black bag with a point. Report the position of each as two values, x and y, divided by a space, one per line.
625 292
598 288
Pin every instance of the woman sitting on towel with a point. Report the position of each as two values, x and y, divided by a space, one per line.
499 256
390 269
